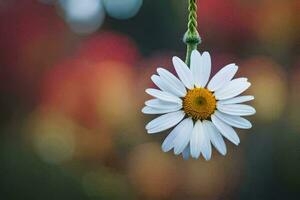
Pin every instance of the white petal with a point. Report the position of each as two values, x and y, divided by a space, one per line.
226 130
200 67
183 138
205 145
236 109
195 140
215 137
165 96
235 121
222 77
232 89
168 143
240 99
156 103
196 64
164 122
184 73
150 110
186 152
174 83
159 83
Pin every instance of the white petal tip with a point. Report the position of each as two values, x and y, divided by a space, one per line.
253 111
159 69
176 152
147 128
249 125
149 131
154 77
143 110
164 149
196 52
175 58
251 98
206 53
207 158
235 67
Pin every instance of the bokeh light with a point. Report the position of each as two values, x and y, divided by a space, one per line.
53 137
209 180
124 9
84 17
151 180
232 17
109 46
107 88
268 86
276 28
33 41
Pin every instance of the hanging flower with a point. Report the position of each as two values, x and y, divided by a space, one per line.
202 111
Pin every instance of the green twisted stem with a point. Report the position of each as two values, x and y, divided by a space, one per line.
191 37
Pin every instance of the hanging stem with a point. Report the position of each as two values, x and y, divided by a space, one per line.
191 37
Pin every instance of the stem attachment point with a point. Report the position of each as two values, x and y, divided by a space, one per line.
191 37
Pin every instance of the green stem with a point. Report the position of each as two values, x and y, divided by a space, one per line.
191 37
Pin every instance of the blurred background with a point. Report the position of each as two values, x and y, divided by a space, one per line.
72 80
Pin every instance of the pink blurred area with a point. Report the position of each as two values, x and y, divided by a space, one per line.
33 38
80 96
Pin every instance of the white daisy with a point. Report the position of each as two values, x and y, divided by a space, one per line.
203 111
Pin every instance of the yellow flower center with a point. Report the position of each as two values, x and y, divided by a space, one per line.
199 103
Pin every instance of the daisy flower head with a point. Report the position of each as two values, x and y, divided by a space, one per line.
202 111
